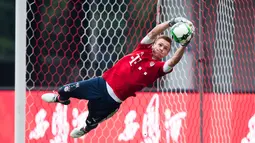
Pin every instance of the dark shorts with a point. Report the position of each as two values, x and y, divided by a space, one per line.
100 105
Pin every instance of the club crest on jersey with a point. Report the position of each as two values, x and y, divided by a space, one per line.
152 64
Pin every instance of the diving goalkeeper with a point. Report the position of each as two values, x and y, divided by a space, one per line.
130 74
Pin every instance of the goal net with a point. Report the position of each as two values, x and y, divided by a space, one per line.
201 100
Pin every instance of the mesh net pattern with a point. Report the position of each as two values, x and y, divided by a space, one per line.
68 41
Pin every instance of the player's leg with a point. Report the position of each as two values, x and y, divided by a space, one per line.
54 97
91 123
86 89
99 110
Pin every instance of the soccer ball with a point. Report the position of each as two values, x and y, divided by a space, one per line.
181 32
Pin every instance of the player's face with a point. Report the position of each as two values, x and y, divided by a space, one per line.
160 48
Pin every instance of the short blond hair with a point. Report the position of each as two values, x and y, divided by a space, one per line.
168 39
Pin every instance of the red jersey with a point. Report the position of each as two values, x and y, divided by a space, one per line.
133 72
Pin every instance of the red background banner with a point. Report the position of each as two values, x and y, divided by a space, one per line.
147 117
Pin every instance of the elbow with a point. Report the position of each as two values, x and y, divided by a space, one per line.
152 35
172 63
175 60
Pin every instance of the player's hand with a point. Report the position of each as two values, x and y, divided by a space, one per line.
178 19
187 42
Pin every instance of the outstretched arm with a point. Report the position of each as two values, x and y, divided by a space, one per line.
176 57
157 30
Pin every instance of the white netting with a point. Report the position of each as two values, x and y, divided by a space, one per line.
223 71
182 77
69 41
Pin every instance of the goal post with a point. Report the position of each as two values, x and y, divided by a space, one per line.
20 71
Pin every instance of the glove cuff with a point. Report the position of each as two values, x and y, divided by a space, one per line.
171 22
185 44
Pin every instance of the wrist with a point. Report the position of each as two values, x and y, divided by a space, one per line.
171 22
183 46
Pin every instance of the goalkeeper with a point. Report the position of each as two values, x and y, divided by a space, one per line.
130 74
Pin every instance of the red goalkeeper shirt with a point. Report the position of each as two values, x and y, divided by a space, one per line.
133 72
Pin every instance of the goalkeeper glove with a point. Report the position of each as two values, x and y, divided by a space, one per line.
187 42
178 19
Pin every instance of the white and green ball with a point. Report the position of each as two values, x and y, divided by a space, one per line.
181 32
